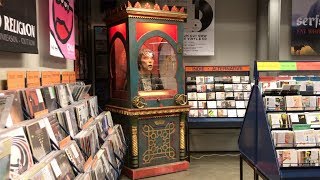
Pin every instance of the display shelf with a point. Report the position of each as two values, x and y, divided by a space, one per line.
255 141
205 123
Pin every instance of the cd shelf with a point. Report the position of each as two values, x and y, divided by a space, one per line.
218 95
259 142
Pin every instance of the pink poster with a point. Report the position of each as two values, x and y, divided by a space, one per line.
61 22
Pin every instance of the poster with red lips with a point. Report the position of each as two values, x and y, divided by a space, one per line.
61 22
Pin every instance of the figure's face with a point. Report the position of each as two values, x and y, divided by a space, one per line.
146 63
63 19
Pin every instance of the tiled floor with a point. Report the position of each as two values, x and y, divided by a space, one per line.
210 168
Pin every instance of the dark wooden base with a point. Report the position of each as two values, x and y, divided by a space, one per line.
155 170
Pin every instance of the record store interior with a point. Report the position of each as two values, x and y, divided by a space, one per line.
159 89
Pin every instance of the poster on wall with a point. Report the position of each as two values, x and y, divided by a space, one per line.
199 28
61 22
305 27
18 26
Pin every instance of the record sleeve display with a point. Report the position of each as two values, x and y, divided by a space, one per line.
16 113
62 95
5 146
6 102
61 167
74 154
34 101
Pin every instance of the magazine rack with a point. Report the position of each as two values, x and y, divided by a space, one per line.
255 140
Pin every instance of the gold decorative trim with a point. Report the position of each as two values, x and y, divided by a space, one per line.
182 139
159 122
154 18
134 141
148 111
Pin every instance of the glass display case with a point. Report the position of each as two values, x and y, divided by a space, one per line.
147 82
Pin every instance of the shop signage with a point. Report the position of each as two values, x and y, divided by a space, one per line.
61 22
305 27
18 26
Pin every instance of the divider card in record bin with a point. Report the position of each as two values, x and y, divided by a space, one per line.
287 66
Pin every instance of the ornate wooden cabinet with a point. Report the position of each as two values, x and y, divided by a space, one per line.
147 85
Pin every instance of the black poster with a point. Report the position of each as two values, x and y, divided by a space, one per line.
18 26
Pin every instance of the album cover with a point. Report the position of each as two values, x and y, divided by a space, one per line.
220 95
280 83
212 113
228 87
61 167
244 79
33 172
211 96
45 173
201 88
237 87
199 80
209 79
212 104
62 95
191 80
119 132
315 88
241 112
103 126
39 139
71 121
5 108
202 96
84 92
274 103
98 168
191 88
232 113
313 119
222 113
34 101
58 132
220 104
229 96
297 118
246 95
238 96
305 138
193 104
287 157
103 155
282 138
246 103
210 87
82 113
202 112
294 103
279 120
69 93
5 146
21 156
227 79
192 96
16 113
193 113
202 104
50 98
308 157
74 155
246 87
309 102
109 118
108 146
240 104
219 87
93 106
236 79
218 79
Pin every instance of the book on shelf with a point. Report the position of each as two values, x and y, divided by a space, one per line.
209 79
220 87
210 87
211 96
237 87
192 96
309 102
297 118
240 104
232 113
220 95
202 112
193 104
244 79
202 96
192 88
193 113
279 120
199 80
294 103
212 104
283 138
313 119
236 79
222 113
229 96
201 88
241 112
227 87
190 80
202 104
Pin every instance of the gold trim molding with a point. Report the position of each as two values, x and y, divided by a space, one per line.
182 139
148 111
134 140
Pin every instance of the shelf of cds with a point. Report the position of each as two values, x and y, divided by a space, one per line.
57 132
218 95
282 125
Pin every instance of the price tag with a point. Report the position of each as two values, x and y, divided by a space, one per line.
56 168
40 98
74 151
